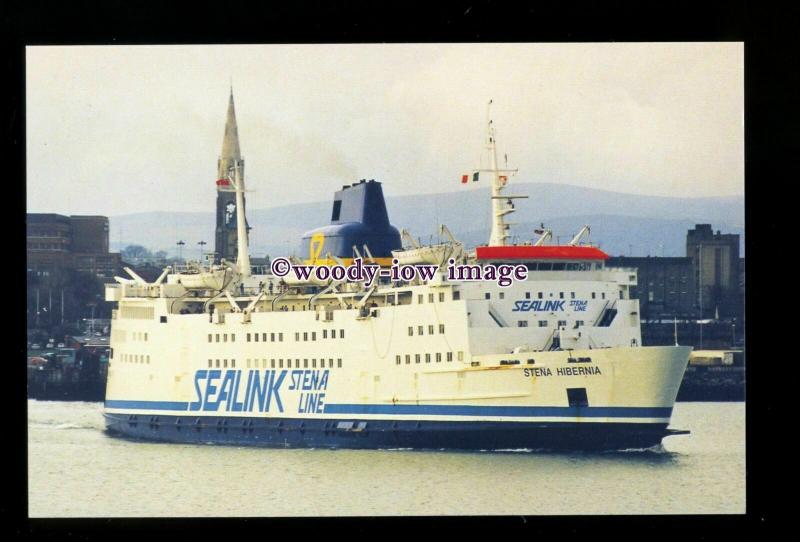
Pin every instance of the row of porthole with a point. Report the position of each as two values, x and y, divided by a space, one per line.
398 359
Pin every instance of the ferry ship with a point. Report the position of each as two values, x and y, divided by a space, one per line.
219 354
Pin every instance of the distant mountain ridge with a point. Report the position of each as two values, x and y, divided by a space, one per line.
621 223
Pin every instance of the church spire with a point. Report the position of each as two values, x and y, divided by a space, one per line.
230 143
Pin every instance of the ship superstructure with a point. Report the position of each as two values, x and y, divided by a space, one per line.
211 354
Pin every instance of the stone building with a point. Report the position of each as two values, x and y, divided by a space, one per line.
225 235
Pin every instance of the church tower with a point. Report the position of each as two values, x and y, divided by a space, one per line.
225 234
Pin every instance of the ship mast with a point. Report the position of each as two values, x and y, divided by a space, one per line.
501 205
242 254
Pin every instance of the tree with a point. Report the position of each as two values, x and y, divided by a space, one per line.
135 253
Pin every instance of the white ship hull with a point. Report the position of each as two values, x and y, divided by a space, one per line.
197 378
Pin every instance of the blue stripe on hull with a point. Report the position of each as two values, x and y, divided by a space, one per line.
382 434
442 410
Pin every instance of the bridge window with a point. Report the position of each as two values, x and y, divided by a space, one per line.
233 337
272 363
430 330
420 298
578 323
542 323
341 334
217 363
330 363
339 362
572 295
502 295
522 323
305 336
449 356
264 337
217 337
280 363
255 338
416 358
441 296
540 295
441 328
527 295
225 363
248 337
438 357
408 359
420 330
305 363
603 295
594 295
324 333
456 295
561 295
333 334
233 363
460 355
487 295
313 335
297 336
280 337
562 323
430 298
397 359
209 337
210 363
314 363
427 358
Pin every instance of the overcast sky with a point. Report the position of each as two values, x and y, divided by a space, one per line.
117 130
